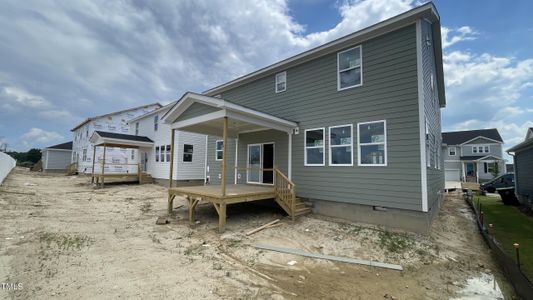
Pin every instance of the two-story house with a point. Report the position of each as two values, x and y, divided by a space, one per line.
189 149
115 122
472 155
352 127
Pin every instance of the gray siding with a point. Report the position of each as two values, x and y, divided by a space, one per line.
389 92
214 167
435 172
524 173
446 156
495 149
195 110
56 159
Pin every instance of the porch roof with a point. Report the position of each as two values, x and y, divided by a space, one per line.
111 139
480 157
241 119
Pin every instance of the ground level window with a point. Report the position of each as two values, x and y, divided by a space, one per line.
340 145
219 149
187 152
168 153
157 153
372 143
314 147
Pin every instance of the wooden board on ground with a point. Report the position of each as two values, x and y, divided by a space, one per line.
262 227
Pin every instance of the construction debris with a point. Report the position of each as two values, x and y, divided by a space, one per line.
330 257
267 225
162 221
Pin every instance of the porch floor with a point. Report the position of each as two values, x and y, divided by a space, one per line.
235 193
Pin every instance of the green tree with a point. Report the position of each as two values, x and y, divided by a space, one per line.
34 155
495 171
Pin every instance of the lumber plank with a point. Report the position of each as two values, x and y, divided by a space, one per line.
262 227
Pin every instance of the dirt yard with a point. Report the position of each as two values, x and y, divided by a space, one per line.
61 238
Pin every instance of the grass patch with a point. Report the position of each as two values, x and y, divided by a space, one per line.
510 226
65 242
395 242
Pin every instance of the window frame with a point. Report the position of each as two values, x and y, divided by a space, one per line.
168 151
385 152
276 82
187 153
339 146
454 151
360 66
221 150
313 147
137 128
156 122
157 154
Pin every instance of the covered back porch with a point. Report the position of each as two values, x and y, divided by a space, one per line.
120 172
258 178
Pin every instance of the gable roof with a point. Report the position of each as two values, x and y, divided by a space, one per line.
460 137
113 113
121 136
426 11
161 109
526 144
63 146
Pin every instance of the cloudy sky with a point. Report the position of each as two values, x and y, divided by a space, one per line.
63 61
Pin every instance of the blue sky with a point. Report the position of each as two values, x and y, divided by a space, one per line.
63 61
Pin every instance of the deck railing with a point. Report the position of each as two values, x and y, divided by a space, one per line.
285 191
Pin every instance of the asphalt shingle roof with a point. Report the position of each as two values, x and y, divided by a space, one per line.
459 137
64 146
121 136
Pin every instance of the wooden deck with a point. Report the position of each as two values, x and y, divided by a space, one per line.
99 179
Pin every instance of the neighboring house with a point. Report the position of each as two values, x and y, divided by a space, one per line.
57 158
354 123
509 168
189 151
523 169
116 122
472 155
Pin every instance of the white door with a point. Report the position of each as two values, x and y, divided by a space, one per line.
452 175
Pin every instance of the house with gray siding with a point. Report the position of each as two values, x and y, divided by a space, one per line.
473 155
355 124
523 169
56 158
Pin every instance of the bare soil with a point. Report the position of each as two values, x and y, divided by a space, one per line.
61 238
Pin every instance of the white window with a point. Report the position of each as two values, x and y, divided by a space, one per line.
349 68
452 151
156 122
219 149
428 147
314 154
474 149
340 145
187 152
162 154
281 82
168 153
372 143
137 128
84 156
486 149
132 154
157 153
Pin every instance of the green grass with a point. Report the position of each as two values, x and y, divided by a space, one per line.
510 226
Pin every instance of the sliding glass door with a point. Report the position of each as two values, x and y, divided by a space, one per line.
260 157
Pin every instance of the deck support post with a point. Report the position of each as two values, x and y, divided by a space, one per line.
224 156
94 158
170 198
103 166
222 218
192 203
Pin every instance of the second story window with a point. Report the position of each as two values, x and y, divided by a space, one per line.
281 82
137 128
156 122
452 151
349 68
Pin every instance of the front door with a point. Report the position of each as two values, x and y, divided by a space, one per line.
470 170
145 161
260 163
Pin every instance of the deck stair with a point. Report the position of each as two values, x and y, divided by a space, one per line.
145 178
285 191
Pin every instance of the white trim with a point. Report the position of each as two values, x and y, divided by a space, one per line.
289 157
54 149
183 154
216 150
349 38
360 66
312 147
481 137
330 163
236 160
205 162
384 143
421 118
276 82
200 119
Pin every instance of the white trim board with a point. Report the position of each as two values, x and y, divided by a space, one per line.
421 118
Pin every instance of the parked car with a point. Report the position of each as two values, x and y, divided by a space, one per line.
502 181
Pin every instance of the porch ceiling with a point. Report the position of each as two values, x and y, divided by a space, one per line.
240 119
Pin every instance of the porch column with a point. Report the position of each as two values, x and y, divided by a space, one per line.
289 159
170 196
103 166
224 156
94 158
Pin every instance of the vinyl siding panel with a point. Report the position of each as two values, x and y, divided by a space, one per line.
435 172
389 92
494 149
524 173
56 159
214 167
195 110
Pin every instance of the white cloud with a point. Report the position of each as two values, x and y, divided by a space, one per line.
452 36
40 136
15 97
